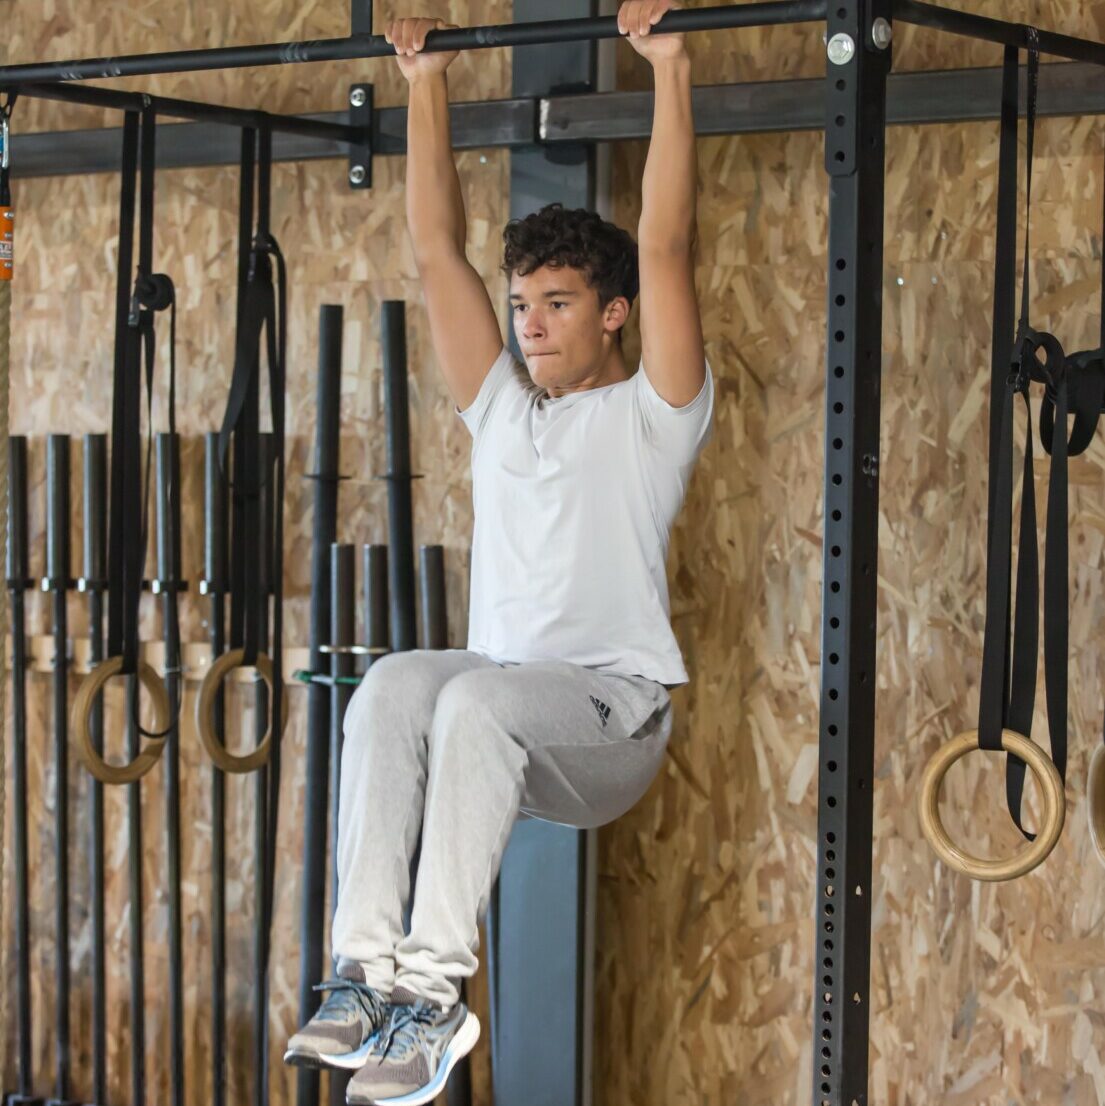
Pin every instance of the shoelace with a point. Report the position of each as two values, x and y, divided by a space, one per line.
403 1027
346 996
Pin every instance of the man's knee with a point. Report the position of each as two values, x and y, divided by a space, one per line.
472 703
396 681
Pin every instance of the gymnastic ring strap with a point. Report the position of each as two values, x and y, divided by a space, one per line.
1008 685
205 714
1031 855
139 296
81 714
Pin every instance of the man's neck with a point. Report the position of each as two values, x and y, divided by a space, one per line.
610 371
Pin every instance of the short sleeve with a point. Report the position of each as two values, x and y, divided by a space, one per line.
680 433
498 377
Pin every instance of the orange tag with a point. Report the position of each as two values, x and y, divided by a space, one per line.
7 234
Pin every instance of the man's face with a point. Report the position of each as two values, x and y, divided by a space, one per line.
559 326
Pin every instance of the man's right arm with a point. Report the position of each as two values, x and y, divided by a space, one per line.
463 326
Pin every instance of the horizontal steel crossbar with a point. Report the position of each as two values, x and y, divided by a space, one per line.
331 130
375 46
997 30
941 96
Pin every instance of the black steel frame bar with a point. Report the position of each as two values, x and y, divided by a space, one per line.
332 130
768 13
926 96
935 96
93 584
855 109
58 582
997 30
318 769
536 33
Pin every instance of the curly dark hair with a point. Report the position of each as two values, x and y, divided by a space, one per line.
579 239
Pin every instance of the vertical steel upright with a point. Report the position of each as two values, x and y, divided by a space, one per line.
537 921
58 582
317 771
343 634
857 44
216 574
401 593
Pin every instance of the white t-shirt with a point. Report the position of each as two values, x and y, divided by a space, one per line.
574 500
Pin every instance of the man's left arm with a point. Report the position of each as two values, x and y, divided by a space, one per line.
671 329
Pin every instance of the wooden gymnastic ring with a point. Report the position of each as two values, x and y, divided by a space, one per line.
81 713
1095 801
205 714
1054 808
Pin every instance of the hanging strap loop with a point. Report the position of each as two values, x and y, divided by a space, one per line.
1011 643
138 299
257 470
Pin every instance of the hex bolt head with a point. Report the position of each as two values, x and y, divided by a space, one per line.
357 97
881 33
357 174
841 49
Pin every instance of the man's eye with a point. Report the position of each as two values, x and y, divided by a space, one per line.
518 307
559 303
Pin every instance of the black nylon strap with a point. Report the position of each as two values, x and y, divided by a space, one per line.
1008 685
1007 694
277 352
121 509
261 312
995 667
244 519
135 350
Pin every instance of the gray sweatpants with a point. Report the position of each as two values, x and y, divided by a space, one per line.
455 745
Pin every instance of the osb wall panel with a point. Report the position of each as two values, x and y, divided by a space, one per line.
342 248
980 994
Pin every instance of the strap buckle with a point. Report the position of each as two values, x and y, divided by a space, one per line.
260 264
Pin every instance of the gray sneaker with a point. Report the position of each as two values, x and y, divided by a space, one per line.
408 1062
348 1016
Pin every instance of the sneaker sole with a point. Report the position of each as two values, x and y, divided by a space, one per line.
347 1061
459 1047
298 1058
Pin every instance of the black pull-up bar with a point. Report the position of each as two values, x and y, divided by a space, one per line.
374 46
760 14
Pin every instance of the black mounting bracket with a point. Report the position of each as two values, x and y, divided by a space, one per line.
844 95
360 154
360 17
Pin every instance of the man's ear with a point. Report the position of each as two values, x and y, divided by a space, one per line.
615 314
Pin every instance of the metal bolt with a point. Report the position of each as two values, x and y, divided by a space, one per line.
357 97
881 33
357 174
842 49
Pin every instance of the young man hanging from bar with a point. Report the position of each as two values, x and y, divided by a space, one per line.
559 708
